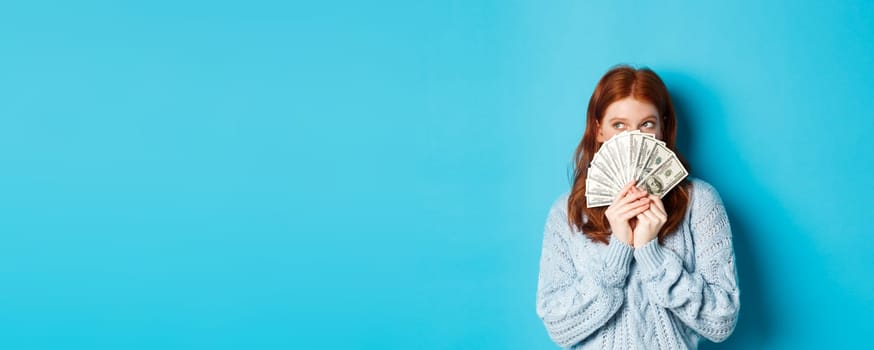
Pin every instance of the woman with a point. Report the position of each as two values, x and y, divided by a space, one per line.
643 272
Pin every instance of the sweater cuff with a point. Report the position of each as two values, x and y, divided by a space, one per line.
650 256
619 254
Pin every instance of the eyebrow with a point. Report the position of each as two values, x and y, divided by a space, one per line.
623 119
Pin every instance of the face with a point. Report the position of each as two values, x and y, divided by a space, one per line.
629 114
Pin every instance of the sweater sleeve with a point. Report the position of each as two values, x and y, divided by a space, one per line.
706 299
575 301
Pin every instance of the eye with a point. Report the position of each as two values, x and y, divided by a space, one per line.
649 124
618 125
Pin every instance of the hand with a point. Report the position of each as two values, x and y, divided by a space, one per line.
629 203
650 221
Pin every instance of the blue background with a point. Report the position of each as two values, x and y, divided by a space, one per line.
377 175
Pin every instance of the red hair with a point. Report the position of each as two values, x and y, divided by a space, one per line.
620 82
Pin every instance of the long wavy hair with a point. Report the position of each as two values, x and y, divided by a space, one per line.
620 82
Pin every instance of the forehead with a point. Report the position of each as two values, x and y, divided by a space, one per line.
632 108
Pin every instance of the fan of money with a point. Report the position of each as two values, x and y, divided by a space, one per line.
632 155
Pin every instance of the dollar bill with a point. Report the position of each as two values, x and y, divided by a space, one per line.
597 201
600 179
665 177
647 144
632 155
603 167
610 156
621 149
634 140
659 155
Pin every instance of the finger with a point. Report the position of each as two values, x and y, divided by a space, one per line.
663 218
630 197
642 219
629 202
657 213
624 207
630 212
659 210
636 215
633 212
635 207
618 212
624 191
659 204
650 216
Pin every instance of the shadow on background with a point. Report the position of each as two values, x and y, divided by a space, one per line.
691 99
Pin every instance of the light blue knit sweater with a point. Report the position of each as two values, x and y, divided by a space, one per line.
596 296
